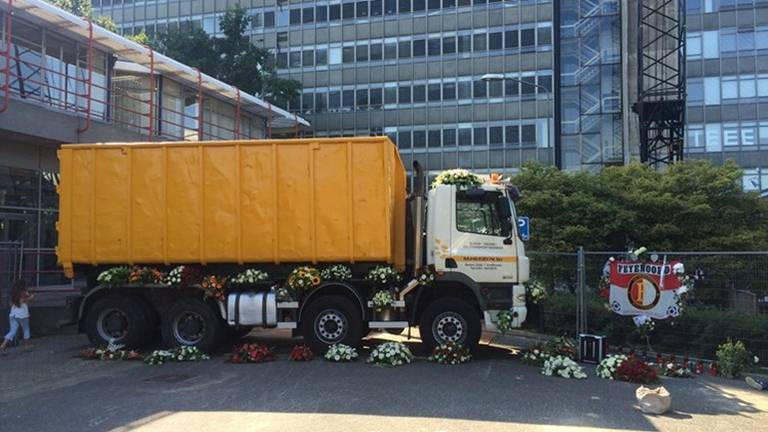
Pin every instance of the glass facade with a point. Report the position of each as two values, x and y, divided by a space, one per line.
727 79
590 83
410 69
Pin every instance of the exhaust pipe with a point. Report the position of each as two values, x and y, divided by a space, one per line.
418 217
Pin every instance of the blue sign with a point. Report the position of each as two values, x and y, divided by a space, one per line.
524 227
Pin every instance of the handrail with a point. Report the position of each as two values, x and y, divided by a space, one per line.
8 35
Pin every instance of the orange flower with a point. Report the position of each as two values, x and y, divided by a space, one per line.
315 280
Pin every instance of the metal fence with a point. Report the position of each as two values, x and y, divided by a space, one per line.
729 300
11 264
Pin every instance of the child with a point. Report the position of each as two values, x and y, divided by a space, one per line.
19 315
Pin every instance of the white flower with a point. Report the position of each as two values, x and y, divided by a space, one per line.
757 360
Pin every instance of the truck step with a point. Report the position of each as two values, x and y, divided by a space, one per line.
395 304
387 324
286 325
288 305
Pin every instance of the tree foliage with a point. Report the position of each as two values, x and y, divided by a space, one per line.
689 206
232 58
84 8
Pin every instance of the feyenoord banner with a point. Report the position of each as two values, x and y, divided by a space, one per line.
644 288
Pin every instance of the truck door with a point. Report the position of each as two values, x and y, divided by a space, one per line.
483 240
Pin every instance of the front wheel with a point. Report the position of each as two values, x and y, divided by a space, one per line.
192 322
450 320
331 320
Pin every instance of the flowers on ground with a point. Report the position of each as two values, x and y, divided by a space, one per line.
382 299
336 272
251 353
112 351
301 353
675 370
115 276
535 356
450 353
608 366
459 177
184 353
213 287
383 276
249 277
340 353
563 367
635 370
391 354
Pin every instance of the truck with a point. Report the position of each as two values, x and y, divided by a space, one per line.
224 207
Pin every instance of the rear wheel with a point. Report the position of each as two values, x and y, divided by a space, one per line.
450 320
124 320
192 322
331 320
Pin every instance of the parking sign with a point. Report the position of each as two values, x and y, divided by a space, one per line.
524 227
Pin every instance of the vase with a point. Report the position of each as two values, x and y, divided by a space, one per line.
383 314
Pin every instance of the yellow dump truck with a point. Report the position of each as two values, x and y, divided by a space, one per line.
198 240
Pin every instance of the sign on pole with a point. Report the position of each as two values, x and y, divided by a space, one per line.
524 227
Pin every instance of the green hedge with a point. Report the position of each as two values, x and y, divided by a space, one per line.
697 332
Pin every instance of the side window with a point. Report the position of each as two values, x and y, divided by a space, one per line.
480 215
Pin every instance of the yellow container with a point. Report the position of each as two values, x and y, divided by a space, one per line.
272 201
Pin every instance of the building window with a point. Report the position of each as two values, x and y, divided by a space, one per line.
480 135
419 139
321 14
545 35
362 9
404 6
404 49
419 93
528 135
449 45
480 89
376 52
527 38
376 8
390 7
295 16
512 136
419 5
308 58
362 53
434 47
434 92
449 91
308 15
348 10
433 138
404 139
465 43
479 42
712 90
334 12
404 93
449 137
419 48
510 39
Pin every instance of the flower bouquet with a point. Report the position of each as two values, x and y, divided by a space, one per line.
635 370
535 291
302 279
676 370
504 321
608 366
382 299
114 276
145 276
301 353
535 356
426 278
340 353
214 287
249 277
251 353
179 354
284 294
336 272
459 177
383 276
563 367
173 278
450 353
391 354
561 346
112 351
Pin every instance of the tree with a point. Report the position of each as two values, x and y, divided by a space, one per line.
84 8
690 206
232 58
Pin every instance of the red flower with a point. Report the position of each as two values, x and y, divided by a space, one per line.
251 353
301 353
635 370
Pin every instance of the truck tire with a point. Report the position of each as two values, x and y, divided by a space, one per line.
192 322
450 320
126 320
331 320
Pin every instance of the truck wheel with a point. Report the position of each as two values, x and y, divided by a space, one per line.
192 322
450 320
331 320
124 320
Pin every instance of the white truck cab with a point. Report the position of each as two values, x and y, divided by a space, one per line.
472 237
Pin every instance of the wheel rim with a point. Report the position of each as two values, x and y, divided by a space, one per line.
449 327
112 324
189 328
331 326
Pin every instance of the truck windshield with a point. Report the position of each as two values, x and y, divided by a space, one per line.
480 214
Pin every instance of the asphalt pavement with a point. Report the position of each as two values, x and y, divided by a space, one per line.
46 388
